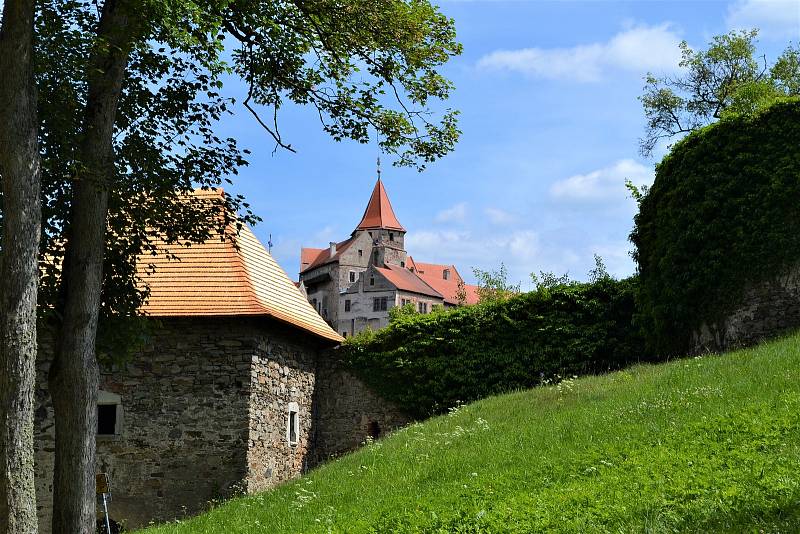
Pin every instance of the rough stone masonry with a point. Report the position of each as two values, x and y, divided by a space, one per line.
212 407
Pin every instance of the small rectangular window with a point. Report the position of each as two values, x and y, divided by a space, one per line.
352 276
423 307
106 419
372 280
384 302
347 305
376 304
293 424
446 274
391 236
360 253
344 334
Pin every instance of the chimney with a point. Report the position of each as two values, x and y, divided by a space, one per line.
333 249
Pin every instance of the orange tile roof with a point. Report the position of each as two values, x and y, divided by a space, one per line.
379 212
323 256
433 275
307 256
405 280
217 279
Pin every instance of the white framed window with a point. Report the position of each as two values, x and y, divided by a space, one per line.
293 423
109 414
352 276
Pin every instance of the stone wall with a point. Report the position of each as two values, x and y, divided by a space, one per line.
282 374
347 411
204 417
768 309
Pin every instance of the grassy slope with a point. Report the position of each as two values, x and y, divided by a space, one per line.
704 444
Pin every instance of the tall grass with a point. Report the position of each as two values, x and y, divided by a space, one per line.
698 445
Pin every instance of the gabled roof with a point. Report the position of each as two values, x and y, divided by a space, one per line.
307 256
216 278
379 212
405 280
322 255
433 275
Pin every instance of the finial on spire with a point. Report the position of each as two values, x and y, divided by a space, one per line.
379 167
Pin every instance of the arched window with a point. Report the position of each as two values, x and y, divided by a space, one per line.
109 414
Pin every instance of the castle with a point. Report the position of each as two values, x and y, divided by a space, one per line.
354 283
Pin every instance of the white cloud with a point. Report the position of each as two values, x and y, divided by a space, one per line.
498 216
603 184
777 19
638 49
519 250
455 213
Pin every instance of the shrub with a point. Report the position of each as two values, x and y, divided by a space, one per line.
721 215
428 363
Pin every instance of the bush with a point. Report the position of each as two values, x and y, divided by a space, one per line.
429 363
722 215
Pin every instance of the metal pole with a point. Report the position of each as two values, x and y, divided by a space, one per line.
105 513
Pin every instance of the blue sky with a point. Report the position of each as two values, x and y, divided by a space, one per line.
550 120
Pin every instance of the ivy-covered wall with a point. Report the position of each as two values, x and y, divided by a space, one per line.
429 363
722 218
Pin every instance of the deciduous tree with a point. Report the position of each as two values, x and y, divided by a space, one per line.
133 95
20 218
727 77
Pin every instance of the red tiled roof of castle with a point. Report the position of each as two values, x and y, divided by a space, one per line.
379 212
217 279
433 275
405 280
311 258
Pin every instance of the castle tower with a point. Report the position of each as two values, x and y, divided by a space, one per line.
386 232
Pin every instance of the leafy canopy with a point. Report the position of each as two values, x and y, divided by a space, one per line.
366 68
726 78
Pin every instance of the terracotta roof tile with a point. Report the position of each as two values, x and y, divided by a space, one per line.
405 280
379 212
324 255
215 278
307 256
433 275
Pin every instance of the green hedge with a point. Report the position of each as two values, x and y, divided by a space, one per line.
428 363
723 213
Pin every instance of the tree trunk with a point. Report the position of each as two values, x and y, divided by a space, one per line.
74 374
19 275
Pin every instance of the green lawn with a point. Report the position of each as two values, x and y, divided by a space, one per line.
707 444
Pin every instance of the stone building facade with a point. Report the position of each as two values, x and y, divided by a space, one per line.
235 391
343 280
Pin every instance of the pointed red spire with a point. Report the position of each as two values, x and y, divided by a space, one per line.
379 212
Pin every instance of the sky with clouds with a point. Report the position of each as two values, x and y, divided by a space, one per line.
550 119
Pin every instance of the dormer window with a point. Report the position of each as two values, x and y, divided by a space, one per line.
446 274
